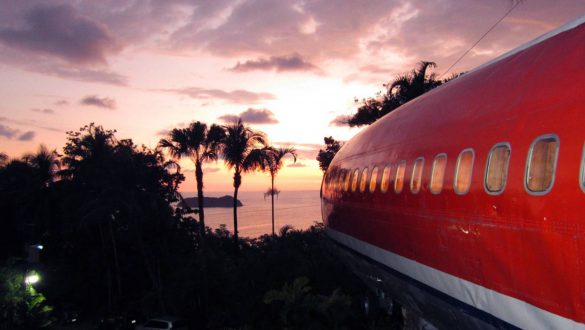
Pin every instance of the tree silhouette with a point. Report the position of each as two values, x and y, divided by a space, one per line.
275 156
200 145
46 164
116 214
325 157
25 199
243 151
403 89
3 159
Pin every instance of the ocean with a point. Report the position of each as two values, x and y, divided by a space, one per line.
300 209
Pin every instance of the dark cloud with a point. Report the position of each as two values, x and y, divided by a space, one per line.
239 96
62 32
82 74
297 164
27 136
100 102
8 132
258 116
61 103
293 62
56 68
228 118
28 123
44 111
252 116
340 121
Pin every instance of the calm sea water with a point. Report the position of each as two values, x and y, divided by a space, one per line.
299 209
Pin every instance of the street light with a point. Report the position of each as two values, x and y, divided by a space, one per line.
32 278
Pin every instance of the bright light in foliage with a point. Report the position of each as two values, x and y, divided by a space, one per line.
32 279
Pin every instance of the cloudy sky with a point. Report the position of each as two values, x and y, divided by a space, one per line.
288 68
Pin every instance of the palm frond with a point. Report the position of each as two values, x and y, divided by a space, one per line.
276 156
256 159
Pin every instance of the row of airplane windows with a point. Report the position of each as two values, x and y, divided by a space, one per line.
539 177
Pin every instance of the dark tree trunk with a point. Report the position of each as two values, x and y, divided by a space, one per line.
272 195
237 183
199 179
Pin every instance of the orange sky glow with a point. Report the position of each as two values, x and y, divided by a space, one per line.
290 68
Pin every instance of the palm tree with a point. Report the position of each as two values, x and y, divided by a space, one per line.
244 151
46 164
274 165
403 89
201 145
409 86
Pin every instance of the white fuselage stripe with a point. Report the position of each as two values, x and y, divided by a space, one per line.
514 311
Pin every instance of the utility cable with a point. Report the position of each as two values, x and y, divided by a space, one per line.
481 38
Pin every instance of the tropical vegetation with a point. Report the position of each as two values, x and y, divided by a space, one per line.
116 241
401 90
274 164
244 150
201 145
325 156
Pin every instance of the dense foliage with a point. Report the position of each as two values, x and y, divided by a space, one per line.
115 241
401 90
20 304
324 157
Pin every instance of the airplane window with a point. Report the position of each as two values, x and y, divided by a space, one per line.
354 180
385 180
542 160
340 179
364 180
464 171
399 181
332 180
417 170
347 180
496 172
374 179
438 173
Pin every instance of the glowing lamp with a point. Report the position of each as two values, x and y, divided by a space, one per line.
32 279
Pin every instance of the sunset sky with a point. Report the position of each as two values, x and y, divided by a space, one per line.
288 68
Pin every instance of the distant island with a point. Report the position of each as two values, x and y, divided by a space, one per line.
224 201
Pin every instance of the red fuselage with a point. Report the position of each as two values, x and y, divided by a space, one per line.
492 213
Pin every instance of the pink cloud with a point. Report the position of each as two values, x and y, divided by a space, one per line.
293 62
62 32
100 102
252 116
238 96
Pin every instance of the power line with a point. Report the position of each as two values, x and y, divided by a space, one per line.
481 38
